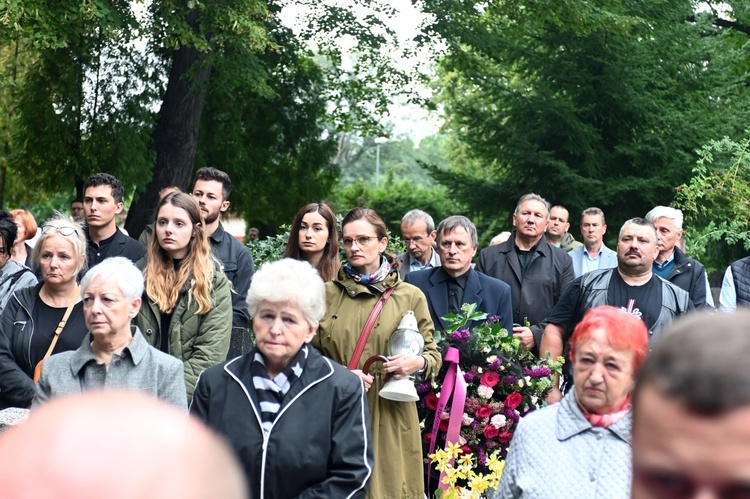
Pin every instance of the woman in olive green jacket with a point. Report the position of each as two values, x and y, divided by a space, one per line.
351 296
187 305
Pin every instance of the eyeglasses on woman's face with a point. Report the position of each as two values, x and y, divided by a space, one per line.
362 241
64 230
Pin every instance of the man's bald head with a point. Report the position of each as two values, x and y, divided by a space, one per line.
119 445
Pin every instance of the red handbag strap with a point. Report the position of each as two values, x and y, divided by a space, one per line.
368 328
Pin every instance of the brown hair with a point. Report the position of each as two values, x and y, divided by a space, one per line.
377 223
329 263
28 221
163 282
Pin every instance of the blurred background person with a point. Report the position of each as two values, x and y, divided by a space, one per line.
253 234
27 228
312 436
350 298
187 307
113 354
76 210
47 318
152 451
13 275
581 446
314 238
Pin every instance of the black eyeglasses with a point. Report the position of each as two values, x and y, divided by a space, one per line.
65 230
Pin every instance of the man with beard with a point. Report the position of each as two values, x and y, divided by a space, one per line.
632 286
536 271
211 190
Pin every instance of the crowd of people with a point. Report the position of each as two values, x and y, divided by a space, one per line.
170 315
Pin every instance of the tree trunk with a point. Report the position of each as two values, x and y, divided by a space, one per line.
176 135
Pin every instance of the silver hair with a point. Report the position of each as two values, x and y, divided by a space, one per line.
120 271
455 221
532 197
638 221
593 211
414 216
666 212
289 280
77 238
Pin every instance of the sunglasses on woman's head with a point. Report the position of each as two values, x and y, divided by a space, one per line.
64 230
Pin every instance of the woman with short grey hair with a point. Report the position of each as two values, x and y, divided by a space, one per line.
113 354
297 420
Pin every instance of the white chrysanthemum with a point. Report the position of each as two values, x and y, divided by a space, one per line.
498 421
485 391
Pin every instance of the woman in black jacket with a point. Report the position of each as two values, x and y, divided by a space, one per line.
298 421
32 315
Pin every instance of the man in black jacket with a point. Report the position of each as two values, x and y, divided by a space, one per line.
536 271
102 201
632 286
211 191
671 263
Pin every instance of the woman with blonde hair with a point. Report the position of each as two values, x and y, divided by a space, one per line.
44 319
187 305
27 227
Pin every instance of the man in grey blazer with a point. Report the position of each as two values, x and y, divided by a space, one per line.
593 255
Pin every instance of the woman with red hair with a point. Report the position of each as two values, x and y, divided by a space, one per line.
27 228
581 446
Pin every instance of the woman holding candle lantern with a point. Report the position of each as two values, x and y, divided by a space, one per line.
369 277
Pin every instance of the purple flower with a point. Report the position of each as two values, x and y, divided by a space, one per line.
481 457
495 365
510 379
511 414
475 425
423 388
536 373
492 320
469 377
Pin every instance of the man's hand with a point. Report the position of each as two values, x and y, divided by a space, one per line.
526 337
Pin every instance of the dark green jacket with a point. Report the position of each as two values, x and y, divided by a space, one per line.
199 340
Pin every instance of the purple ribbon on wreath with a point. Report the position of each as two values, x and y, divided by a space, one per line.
453 384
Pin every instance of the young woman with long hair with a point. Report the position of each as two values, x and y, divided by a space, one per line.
187 306
314 238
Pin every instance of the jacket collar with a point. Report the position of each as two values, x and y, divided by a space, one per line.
218 234
571 421
353 288
85 354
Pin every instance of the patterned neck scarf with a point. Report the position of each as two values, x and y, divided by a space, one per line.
607 420
377 276
271 392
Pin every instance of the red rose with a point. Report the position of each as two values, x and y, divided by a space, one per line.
444 424
505 437
484 411
431 401
490 431
490 378
513 400
465 449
